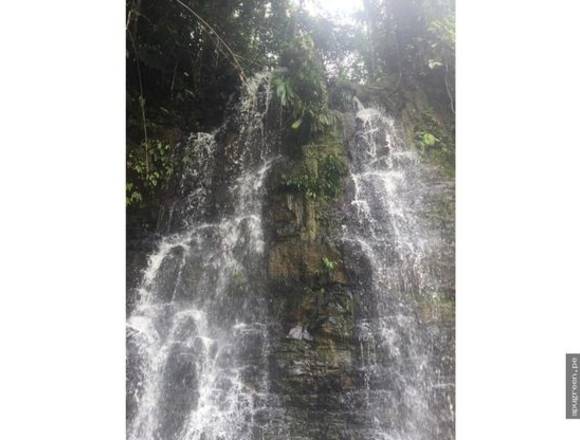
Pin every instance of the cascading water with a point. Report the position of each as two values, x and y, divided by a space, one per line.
405 357
197 337
236 332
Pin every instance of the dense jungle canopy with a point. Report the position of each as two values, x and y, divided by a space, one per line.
186 61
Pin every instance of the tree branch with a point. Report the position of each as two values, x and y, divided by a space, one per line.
208 28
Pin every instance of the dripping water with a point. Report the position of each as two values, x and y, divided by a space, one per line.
200 334
407 384
197 338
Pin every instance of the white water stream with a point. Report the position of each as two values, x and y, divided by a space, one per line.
389 228
199 337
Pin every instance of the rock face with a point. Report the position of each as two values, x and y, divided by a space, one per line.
305 293
313 360
329 364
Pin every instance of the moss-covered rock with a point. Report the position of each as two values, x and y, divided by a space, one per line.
313 361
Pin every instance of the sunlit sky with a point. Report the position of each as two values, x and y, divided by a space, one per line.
342 7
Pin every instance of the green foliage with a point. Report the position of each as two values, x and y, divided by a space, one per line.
414 40
441 55
284 91
304 183
331 172
301 89
425 139
180 72
329 265
180 76
133 196
435 141
442 38
149 169
327 183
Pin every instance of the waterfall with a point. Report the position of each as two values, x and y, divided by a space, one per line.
217 349
197 337
404 352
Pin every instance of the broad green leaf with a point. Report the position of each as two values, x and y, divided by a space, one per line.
429 140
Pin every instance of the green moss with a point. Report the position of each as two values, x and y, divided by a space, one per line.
301 90
431 134
325 181
320 171
328 265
